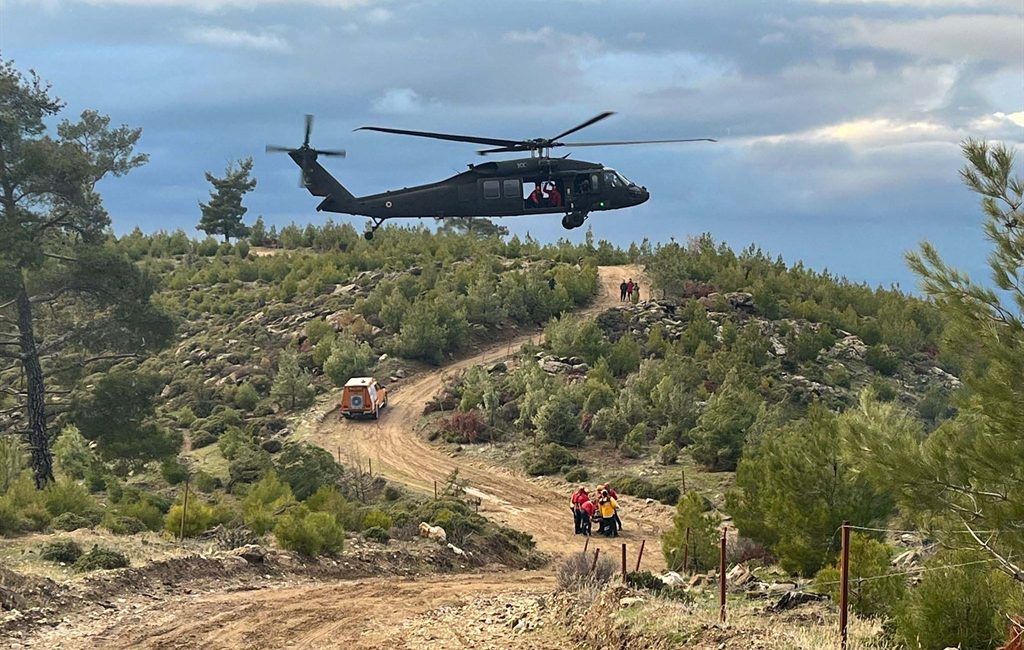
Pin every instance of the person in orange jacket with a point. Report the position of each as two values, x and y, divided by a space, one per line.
576 501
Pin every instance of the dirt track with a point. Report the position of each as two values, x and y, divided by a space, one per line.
435 611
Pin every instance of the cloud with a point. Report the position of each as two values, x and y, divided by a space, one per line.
399 101
236 38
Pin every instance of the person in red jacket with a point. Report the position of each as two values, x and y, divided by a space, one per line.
554 196
589 508
576 501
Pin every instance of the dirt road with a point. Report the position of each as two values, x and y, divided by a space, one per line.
537 506
483 611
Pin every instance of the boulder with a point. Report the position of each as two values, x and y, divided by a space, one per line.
271 445
435 533
792 599
673 579
252 553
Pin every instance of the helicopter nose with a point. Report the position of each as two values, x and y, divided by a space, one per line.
644 195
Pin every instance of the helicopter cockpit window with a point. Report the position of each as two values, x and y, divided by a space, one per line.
492 189
611 179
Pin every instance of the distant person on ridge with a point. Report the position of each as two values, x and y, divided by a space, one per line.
608 506
629 289
576 504
636 293
614 495
622 291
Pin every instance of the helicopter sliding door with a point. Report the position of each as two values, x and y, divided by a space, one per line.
543 194
501 195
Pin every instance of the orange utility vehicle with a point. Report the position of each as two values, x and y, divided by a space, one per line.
363 397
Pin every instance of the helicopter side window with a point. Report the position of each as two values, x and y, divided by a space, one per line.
612 179
511 189
492 189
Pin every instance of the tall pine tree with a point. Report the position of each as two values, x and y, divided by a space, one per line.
67 300
222 215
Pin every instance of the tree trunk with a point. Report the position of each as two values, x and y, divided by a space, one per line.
39 444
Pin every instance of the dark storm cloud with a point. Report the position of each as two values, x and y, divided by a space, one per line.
831 114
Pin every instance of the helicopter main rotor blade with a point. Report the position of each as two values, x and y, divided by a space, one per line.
309 129
512 149
593 120
273 148
495 142
330 152
621 142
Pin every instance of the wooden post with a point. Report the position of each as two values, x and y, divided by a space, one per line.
686 550
844 583
184 512
623 564
435 489
369 462
339 455
721 579
586 544
593 566
682 473
641 555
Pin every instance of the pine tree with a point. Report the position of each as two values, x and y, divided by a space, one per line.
222 215
963 482
291 386
67 299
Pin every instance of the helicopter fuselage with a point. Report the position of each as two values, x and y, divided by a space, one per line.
500 189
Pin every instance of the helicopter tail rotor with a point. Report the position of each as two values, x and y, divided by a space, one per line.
305 155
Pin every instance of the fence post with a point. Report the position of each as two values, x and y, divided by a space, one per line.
370 465
593 566
586 544
623 563
184 512
641 555
844 583
435 489
721 579
686 551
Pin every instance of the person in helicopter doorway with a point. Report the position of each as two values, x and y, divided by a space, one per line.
536 197
554 196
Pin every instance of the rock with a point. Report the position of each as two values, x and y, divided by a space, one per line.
673 579
776 347
400 373
252 553
739 575
554 367
741 300
435 533
630 600
382 358
501 366
793 599
456 550
906 559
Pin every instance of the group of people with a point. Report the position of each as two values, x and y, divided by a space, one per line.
545 195
601 507
629 291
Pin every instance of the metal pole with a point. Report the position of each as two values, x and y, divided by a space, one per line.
844 583
686 550
597 552
623 564
641 555
184 512
721 579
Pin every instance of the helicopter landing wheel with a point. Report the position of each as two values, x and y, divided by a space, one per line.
573 220
377 223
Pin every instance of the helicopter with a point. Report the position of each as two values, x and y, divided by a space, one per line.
572 188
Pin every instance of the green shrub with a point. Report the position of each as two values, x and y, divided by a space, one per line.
101 558
173 471
703 551
122 525
377 519
377 534
328 499
577 475
206 482
309 533
198 520
61 550
12 460
349 358
575 571
264 501
882 359
961 606
668 454
65 495
23 507
202 438
558 420
72 453
246 397
872 597
306 468
549 459
70 521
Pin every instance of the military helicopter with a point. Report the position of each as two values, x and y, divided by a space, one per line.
573 188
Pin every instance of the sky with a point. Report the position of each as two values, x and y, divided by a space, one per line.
839 121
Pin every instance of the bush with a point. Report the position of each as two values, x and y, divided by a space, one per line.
574 571
70 521
198 520
72 453
959 606
101 558
348 359
462 427
306 468
264 501
328 499
703 527
69 496
121 525
868 558
558 421
882 359
246 397
173 471
644 489
577 475
377 519
206 482
203 438
549 459
309 533
61 550
23 507
143 510
668 454
377 534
